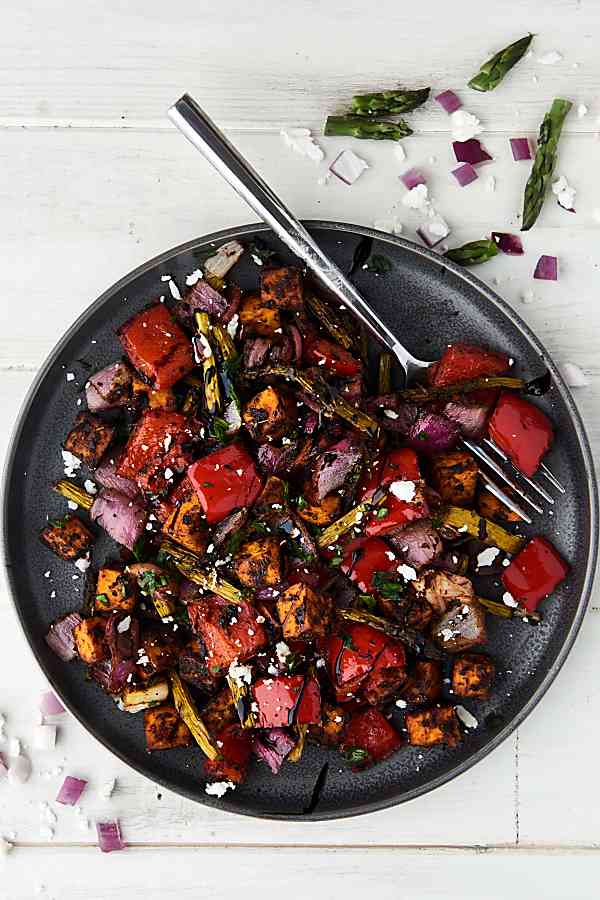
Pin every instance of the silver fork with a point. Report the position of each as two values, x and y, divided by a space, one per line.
202 132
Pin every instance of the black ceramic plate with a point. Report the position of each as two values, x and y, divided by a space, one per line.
429 303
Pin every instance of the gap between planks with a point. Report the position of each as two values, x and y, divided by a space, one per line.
425 849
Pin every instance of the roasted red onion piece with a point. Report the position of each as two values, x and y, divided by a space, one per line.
462 627
418 544
106 476
201 298
393 413
432 433
255 352
122 517
123 647
333 466
109 387
272 745
232 523
470 415
60 636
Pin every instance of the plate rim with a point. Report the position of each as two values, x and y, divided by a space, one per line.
242 231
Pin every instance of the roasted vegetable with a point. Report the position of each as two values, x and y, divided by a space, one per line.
454 476
286 700
233 758
158 448
205 357
164 730
468 522
490 507
534 573
225 480
187 711
369 738
114 590
229 631
283 287
258 316
258 563
68 537
522 431
461 627
269 414
322 512
333 723
424 683
135 699
89 439
303 613
187 524
157 346
472 675
220 711
330 318
438 725
90 640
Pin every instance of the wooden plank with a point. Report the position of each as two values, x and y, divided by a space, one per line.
147 874
152 814
263 65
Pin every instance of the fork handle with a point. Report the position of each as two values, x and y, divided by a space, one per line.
202 132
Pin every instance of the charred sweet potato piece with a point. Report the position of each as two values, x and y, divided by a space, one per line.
157 399
272 493
303 613
454 476
68 537
268 414
89 438
283 287
259 316
490 507
220 711
157 346
424 684
164 730
472 675
387 675
333 722
258 563
90 640
161 647
438 725
114 590
321 512
228 631
187 523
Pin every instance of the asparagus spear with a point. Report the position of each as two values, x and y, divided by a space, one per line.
493 71
509 612
544 162
486 531
473 253
385 373
331 320
189 564
205 356
388 103
425 393
361 127
186 708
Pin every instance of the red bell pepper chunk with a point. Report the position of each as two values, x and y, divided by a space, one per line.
370 732
157 346
287 700
235 748
146 460
228 631
465 362
400 465
225 480
522 430
534 573
387 674
362 563
350 657
318 351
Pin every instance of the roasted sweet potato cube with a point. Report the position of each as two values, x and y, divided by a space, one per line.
89 438
333 722
273 492
68 537
268 414
283 287
259 316
157 346
258 563
164 730
437 725
114 590
472 675
321 512
490 507
161 647
303 613
424 684
187 524
220 711
157 399
454 476
90 640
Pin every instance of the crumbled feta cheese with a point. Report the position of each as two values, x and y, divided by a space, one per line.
283 651
390 555
5 846
90 487
219 788
527 296
167 442
143 660
490 183
44 737
175 293
301 141
487 556
506 562
14 747
399 152
70 376
402 704
407 572
71 463
573 375
169 473
83 563
232 325
72 505
509 600
391 225
464 125
582 110
124 624
446 634
259 620
240 673
390 414
565 194
417 197
106 789
403 490
193 278
550 58
467 718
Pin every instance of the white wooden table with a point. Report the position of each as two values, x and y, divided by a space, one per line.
93 181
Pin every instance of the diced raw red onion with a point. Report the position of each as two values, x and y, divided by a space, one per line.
411 178
348 166
465 174
470 151
433 231
449 101
272 746
510 244
123 518
50 705
109 836
60 636
71 790
546 268
521 148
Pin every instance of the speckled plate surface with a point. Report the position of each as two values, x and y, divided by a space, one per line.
429 303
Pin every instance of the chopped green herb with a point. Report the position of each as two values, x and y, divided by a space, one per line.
366 601
102 598
356 755
379 264
382 512
219 428
139 548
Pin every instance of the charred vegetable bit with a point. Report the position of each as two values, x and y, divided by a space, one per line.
544 162
363 127
290 566
493 71
473 253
